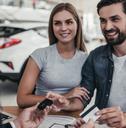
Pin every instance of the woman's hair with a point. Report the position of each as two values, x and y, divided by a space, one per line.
104 3
79 39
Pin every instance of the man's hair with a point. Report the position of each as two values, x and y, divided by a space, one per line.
103 3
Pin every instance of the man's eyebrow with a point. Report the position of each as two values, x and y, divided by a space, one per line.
115 16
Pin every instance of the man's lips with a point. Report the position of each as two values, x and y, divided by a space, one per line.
111 34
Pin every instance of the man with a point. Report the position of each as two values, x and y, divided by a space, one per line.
105 68
29 118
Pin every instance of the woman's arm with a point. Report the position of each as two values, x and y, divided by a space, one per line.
25 98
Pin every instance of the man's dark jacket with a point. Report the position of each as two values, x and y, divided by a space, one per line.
5 125
97 74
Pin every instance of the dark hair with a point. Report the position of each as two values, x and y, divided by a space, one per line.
79 40
103 3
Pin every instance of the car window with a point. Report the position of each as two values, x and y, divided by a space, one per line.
9 31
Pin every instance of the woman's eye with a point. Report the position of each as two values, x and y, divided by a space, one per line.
69 22
56 23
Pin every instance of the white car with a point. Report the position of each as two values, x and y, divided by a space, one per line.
22 30
17 42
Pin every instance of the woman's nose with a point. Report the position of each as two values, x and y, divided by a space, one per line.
63 27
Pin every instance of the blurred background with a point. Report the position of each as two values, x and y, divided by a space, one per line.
23 28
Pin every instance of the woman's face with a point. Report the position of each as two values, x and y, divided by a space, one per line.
64 27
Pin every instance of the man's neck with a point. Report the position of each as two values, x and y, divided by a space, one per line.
120 50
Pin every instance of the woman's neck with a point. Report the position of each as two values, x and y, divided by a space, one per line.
66 50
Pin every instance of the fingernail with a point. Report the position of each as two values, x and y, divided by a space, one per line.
98 113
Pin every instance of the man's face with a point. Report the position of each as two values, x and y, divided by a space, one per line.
113 23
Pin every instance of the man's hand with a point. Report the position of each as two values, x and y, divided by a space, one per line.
113 117
81 124
29 118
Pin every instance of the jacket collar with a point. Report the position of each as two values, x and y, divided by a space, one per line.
108 52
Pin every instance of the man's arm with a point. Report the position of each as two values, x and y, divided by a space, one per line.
30 117
88 77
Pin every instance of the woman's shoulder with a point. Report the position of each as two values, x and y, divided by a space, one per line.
45 49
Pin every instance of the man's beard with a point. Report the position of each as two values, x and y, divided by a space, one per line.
115 41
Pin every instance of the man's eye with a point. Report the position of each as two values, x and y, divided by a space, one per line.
115 20
102 21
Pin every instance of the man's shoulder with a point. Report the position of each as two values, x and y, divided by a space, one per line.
101 50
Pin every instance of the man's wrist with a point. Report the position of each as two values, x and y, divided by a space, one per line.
16 123
12 124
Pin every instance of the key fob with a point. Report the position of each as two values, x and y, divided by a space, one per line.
44 104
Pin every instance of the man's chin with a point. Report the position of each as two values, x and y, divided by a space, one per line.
114 43
117 40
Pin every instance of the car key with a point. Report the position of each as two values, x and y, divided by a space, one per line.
44 104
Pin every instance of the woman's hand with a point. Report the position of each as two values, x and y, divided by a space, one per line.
79 92
59 101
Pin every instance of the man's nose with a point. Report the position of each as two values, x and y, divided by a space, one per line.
108 25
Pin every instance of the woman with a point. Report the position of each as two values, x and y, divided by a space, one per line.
56 68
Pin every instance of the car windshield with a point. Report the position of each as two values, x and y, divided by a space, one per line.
9 31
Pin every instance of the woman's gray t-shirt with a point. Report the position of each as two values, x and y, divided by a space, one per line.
56 73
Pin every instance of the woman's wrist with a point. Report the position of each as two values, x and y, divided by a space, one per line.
124 122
